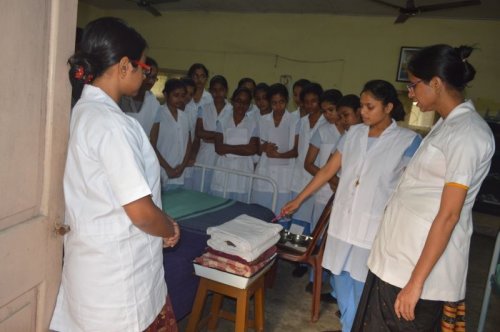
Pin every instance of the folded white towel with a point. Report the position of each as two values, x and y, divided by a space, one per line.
244 236
229 248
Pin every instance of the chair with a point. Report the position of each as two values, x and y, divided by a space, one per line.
492 277
313 256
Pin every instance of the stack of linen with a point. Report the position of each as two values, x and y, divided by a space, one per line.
241 246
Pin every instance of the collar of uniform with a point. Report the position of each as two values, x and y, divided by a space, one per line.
462 108
391 127
96 94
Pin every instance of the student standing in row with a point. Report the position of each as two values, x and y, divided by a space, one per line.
206 130
296 90
144 107
420 255
310 99
170 136
112 196
278 148
373 156
236 142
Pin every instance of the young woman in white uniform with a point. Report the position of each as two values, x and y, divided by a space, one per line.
112 196
278 148
261 99
420 255
201 98
236 142
206 127
144 107
170 136
308 125
372 156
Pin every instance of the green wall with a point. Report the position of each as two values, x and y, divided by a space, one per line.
336 51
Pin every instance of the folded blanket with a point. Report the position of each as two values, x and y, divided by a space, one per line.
265 255
245 232
229 247
227 265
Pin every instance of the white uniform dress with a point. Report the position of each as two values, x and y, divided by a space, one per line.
238 186
302 218
191 110
278 169
112 277
326 139
206 154
173 138
145 112
458 150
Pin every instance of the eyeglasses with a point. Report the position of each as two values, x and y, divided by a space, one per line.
412 86
146 70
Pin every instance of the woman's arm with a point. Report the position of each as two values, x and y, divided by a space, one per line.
272 150
146 216
312 154
324 174
205 135
452 201
241 149
187 155
171 172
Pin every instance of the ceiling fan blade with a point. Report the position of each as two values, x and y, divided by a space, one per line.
448 5
155 2
388 4
410 4
153 10
401 18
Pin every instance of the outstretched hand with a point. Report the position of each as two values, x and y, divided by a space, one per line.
407 300
290 207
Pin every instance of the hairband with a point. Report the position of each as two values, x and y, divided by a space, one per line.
80 75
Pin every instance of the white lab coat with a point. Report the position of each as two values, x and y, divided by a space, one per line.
110 163
146 114
173 138
458 150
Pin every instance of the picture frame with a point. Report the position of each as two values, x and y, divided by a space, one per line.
404 57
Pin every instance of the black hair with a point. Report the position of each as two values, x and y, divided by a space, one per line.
105 41
351 101
261 87
311 88
278 89
331 95
196 66
241 90
448 63
301 82
218 79
188 81
173 84
386 93
246 80
151 62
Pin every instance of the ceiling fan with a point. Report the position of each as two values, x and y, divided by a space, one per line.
411 10
148 5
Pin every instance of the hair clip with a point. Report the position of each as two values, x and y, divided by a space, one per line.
79 73
88 78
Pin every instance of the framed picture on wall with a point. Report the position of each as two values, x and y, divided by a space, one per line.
404 57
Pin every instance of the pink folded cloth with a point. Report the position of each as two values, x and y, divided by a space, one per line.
227 265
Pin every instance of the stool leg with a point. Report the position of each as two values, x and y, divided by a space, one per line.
318 279
259 308
199 301
214 311
241 311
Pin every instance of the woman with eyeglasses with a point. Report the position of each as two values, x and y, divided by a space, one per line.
144 106
112 278
236 142
420 256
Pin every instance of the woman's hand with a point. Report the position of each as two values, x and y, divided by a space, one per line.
271 150
407 300
172 241
290 207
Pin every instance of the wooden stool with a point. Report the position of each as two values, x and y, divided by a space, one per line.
242 297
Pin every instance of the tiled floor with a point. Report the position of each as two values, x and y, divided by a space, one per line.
288 305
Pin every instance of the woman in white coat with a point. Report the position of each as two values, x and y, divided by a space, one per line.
112 196
236 142
420 255
372 156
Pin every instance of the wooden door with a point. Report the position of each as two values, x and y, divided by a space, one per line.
37 37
